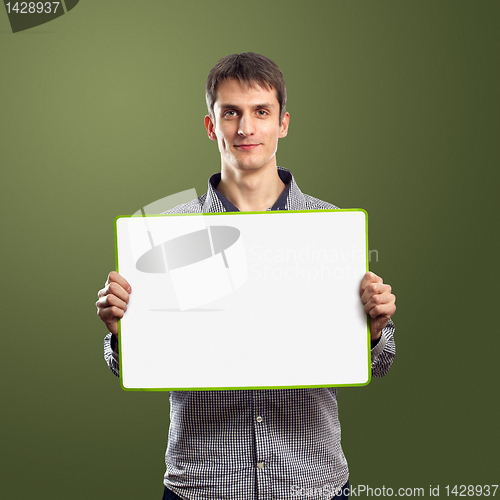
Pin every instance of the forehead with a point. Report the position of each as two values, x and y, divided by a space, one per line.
234 92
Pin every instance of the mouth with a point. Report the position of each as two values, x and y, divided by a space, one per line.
246 147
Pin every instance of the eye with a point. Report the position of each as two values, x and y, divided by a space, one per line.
230 113
262 112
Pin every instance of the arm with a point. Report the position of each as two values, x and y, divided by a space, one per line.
111 354
380 304
111 306
384 351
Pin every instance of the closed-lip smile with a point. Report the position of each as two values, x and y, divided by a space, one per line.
246 146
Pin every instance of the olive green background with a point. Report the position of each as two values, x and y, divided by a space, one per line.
394 108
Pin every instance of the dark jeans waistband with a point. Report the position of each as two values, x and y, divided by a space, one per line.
170 495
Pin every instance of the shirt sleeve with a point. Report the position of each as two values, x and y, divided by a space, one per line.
385 350
111 353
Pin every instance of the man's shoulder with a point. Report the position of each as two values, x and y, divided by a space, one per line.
193 207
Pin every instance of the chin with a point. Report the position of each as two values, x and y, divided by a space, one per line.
248 167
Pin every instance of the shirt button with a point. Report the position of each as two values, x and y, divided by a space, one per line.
260 465
259 419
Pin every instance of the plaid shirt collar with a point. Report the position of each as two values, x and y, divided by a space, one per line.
291 198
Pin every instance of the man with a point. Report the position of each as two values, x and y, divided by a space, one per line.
241 445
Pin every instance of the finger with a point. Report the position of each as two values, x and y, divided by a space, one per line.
111 300
374 289
114 289
368 278
110 317
114 277
381 310
110 313
379 300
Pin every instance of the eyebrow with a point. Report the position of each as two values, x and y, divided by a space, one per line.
256 106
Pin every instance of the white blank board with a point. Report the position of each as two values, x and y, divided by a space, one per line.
244 300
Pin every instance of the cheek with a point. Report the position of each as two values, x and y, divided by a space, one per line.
273 133
222 143
224 138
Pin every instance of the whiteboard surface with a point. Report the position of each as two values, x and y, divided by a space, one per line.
278 307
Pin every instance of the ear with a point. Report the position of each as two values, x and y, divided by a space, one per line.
210 126
284 125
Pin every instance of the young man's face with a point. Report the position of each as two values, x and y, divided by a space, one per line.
246 125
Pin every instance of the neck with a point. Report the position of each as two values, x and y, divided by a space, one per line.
251 191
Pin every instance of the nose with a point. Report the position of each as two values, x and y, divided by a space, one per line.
246 127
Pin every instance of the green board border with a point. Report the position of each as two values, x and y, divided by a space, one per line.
269 212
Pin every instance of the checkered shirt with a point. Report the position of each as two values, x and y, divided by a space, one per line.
257 444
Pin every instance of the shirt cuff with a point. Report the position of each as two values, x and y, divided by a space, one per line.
114 346
379 345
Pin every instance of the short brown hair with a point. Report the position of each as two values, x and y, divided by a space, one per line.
248 68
